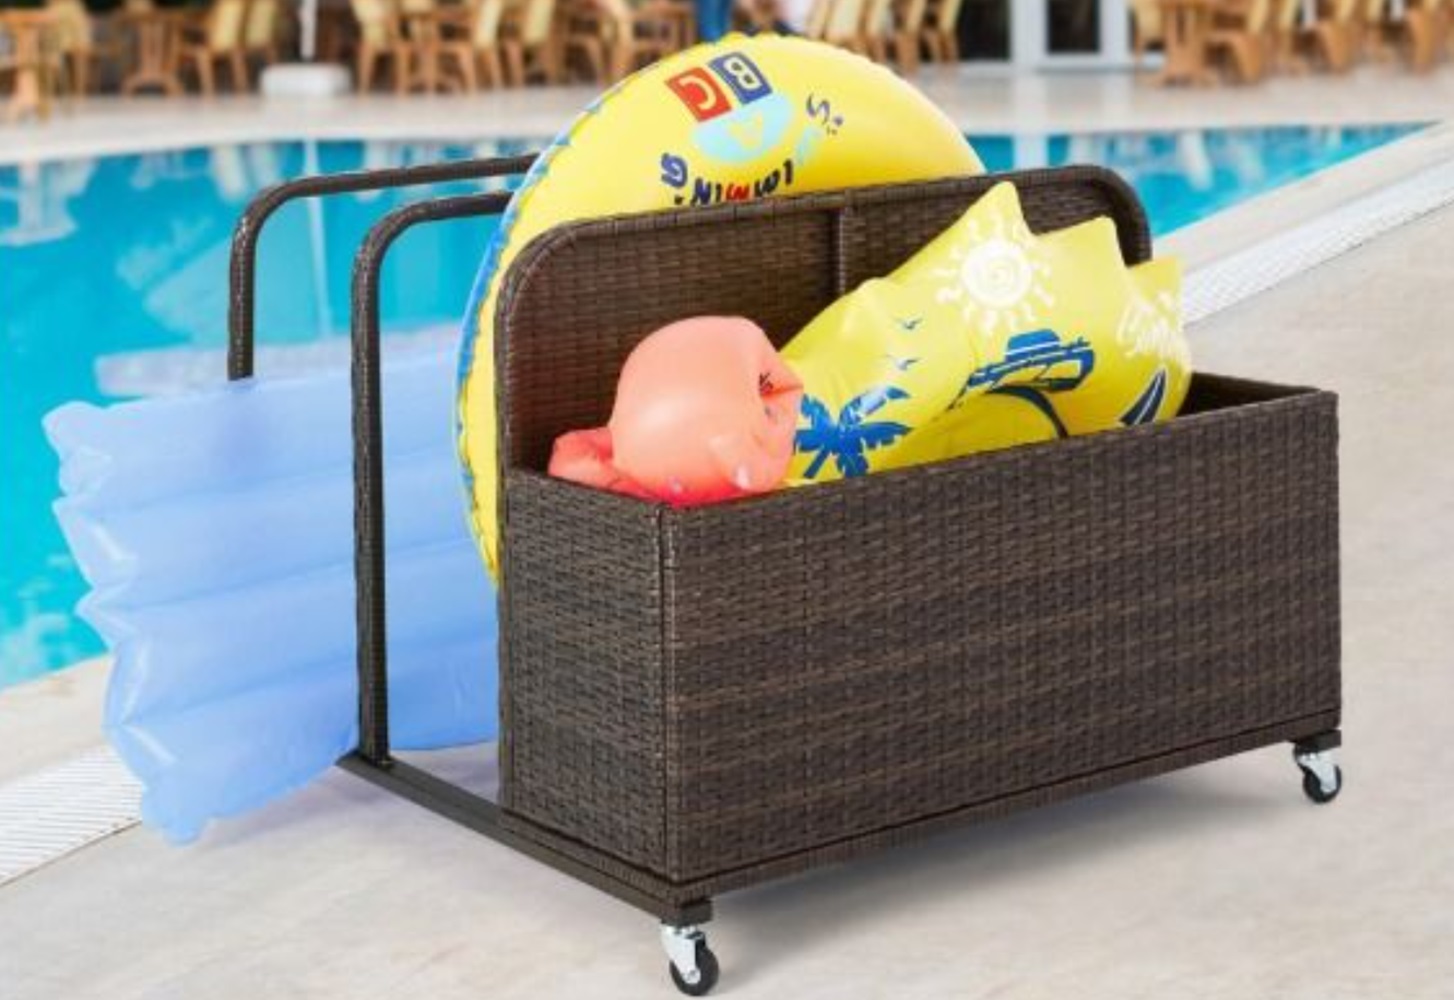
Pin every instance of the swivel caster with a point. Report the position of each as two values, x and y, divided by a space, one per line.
1318 759
691 963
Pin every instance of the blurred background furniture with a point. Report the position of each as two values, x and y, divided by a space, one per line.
215 40
909 20
469 45
530 43
1241 31
1286 33
262 35
154 40
381 44
1427 25
1146 28
876 32
1335 35
941 37
844 24
33 59
1186 27
76 38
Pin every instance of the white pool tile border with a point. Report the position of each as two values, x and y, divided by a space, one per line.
1239 276
52 813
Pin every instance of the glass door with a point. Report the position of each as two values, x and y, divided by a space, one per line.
1071 34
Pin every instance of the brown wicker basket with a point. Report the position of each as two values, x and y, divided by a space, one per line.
697 700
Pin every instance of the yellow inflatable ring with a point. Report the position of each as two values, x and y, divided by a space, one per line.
737 119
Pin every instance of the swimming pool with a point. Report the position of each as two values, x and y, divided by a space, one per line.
113 284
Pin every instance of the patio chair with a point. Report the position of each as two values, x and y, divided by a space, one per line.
1242 34
910 17
1286 35
530 44
216 40
1146 28
625 37
1427 26
877 30
941 33
76 37
1335 35
261 32
844 26
381 41
476 57
817 23
31 56
1372 28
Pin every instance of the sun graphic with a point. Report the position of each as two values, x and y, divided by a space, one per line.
998 276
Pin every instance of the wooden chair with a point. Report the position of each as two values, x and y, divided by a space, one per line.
941 33
1242 34
1426 24
217 40
1372 28
1146 28
877 30
844 26
529 42
816 26
381 42
33 58
261 32
909 19
76 37
476 57
1286 34
1335 36
618 38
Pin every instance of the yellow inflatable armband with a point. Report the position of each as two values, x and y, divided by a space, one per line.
876 365
991 422
990 336
738 119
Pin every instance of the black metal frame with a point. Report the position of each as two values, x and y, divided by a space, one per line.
373 760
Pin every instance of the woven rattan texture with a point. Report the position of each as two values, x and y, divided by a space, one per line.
760 686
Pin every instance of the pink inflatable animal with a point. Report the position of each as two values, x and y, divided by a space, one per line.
705 411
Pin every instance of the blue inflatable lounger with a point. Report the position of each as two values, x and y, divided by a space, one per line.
215 530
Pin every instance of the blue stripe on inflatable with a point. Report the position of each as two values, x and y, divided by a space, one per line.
1146 406
1036 399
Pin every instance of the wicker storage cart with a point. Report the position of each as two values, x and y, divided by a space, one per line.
695 701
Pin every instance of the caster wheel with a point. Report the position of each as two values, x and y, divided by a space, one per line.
707 972
1313 786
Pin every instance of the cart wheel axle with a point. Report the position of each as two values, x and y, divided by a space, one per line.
1318 760
692 964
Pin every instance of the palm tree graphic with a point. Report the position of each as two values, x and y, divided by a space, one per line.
846 439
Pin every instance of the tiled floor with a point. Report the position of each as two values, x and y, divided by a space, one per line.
976 99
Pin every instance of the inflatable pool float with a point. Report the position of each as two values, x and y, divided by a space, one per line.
739 119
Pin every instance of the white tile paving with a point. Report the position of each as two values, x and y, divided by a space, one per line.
49 814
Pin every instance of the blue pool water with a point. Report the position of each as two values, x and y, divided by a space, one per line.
113 283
